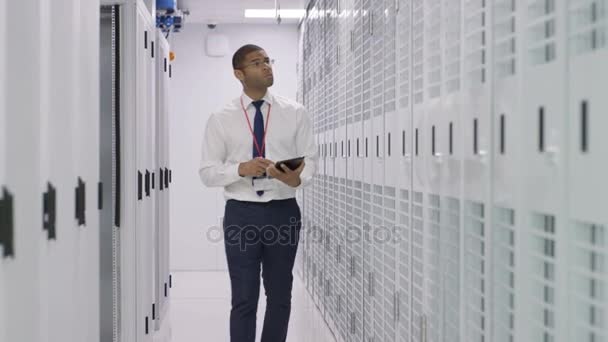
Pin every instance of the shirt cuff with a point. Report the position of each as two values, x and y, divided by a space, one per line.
234 170
304 180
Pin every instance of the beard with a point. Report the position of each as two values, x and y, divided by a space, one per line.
260 82
263 83
269 81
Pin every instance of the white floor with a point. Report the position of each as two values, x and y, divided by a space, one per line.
200 310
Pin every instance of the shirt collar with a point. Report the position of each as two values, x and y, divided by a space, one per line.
268 98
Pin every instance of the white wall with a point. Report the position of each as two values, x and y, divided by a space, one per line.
201 85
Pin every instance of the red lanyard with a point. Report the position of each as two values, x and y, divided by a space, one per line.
255 141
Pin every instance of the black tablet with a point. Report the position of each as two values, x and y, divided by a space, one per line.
292 164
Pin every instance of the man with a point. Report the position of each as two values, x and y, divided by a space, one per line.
262 219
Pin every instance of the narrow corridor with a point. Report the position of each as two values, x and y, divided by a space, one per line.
200 308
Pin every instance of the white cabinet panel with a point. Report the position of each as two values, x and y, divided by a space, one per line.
377 145
588 281
367 150
3 158
544 112
476 119
324 153
587 222
358 159
144 37
545 136
21 195
61 271
145 128
507 154
163 64
393 149
86 124
334 149
588 52
472 98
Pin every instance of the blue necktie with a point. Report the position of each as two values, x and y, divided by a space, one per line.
258 132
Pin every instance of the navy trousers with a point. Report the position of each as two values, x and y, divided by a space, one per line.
266 236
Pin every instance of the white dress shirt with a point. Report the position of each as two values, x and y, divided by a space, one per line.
228 141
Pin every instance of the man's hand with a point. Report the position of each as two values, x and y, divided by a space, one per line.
255 167
289 177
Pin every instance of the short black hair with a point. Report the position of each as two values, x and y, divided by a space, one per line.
239 56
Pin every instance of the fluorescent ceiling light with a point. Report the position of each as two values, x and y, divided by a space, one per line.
271 13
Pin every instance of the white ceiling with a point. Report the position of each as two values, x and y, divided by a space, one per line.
232 11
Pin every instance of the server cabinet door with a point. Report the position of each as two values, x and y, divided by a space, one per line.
587 167
20 193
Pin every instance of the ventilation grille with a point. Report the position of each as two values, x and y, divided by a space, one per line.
404 24
505 38
378 31
390 66
404 255
504 274
475 272
589 288
543 280
418 51
366 81
433 48
541 31
588 25
433 271
450 250
452 45
417 261
476 36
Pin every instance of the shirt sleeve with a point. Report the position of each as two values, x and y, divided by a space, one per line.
306 146
214 170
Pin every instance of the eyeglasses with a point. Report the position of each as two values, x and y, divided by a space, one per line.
258 64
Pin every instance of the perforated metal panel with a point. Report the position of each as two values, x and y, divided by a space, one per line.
323 245
320 238
357 47
543 285
404 271
450 266
433 48
588 25
432 272
541 31
452 45
589 283
368 264
504 259
588 250
505 38
484 76
389 268
377 32
404 291
390 56
418 50
341 261
367 58
475 264
110 245
476 16
404 28
357 264
377 269
418 266
328 250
